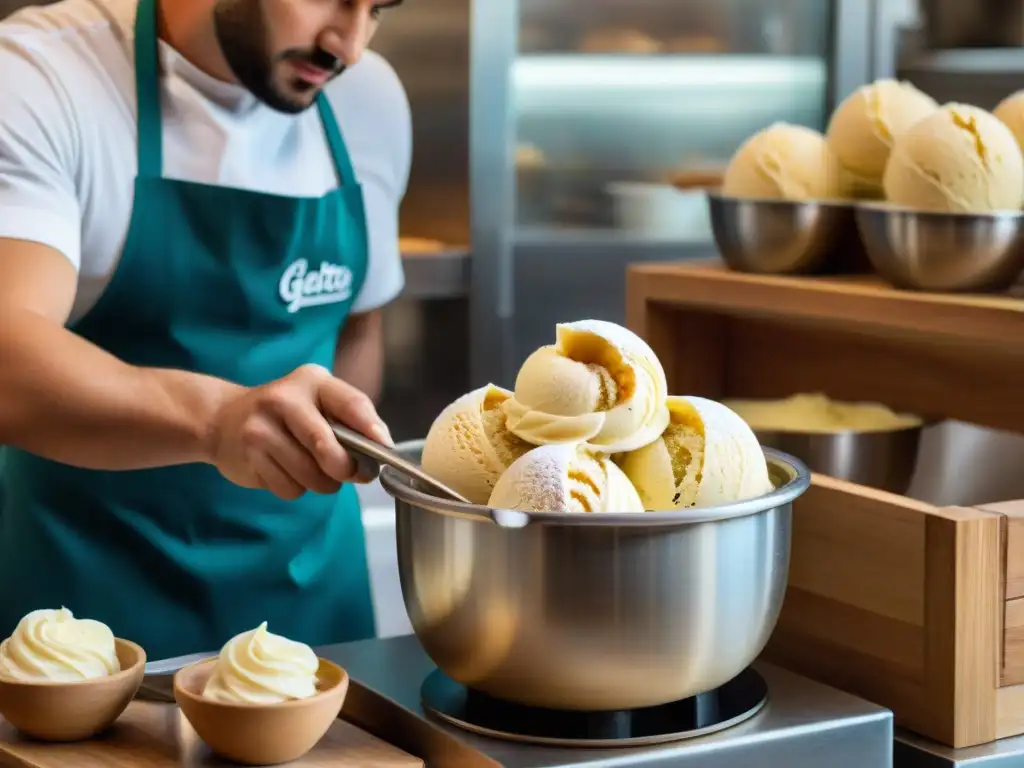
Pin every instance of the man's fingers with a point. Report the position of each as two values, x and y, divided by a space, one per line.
313 432
300 464
275 479
345 403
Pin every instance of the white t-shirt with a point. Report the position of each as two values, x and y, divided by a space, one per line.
68 140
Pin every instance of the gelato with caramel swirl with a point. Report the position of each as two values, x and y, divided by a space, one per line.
599 384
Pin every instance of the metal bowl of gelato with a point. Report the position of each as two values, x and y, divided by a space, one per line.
594 611
865 443
787 237
943 251
782 208
952 221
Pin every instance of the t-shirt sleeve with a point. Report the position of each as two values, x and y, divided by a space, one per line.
38 198
377 123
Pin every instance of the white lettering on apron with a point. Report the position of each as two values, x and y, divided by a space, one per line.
301 287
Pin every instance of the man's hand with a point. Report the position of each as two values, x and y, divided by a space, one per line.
277 436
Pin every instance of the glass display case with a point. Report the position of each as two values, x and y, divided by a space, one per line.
608 94
595 125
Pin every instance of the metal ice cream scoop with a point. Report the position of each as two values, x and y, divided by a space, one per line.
370 454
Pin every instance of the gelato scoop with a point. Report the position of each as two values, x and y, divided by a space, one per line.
468 445
1010 112
707 455
53 646
566 477
959 159
784 162
863 128
257 667
598 384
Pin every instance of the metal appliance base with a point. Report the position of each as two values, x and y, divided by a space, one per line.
913 751
804 724
738 700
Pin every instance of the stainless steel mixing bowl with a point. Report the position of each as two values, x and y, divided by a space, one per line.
883 459
594 611
782 237
932 251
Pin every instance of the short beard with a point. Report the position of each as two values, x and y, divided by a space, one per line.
242 33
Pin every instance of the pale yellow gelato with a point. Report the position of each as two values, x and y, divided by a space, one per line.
817 413
706 456
468 445
590 428
566 477
598 384
1010 112
53 646
258 667
784 162
865 125
959 159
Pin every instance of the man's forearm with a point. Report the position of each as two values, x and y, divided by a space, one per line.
65 399
359 357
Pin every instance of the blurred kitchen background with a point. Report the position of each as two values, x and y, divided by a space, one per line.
548 131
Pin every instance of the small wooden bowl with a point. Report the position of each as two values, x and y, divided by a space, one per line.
260 734
78 710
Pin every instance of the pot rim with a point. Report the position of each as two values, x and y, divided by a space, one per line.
796 473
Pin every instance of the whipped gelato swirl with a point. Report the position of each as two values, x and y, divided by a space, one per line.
599 384
258 667
53 646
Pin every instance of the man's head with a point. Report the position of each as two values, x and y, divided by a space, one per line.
285 51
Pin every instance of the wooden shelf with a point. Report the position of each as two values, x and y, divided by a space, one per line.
865 301
726 334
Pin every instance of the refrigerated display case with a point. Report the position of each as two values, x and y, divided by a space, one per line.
588 118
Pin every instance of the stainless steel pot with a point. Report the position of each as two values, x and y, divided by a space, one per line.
594 612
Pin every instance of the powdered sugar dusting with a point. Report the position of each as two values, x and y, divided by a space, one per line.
537 481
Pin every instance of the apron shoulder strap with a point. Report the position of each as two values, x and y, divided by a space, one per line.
147 91
342 161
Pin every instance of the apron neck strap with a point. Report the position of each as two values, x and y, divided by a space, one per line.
339 152
147 92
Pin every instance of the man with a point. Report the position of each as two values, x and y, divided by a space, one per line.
197 223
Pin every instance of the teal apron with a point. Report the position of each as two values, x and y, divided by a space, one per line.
236 284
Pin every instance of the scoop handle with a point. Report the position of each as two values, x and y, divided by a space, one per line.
371 454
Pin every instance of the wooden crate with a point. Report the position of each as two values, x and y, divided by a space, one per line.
912 606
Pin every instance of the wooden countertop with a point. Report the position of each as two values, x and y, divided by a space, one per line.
150 735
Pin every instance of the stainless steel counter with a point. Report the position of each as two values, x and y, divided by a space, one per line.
913 751
804 725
